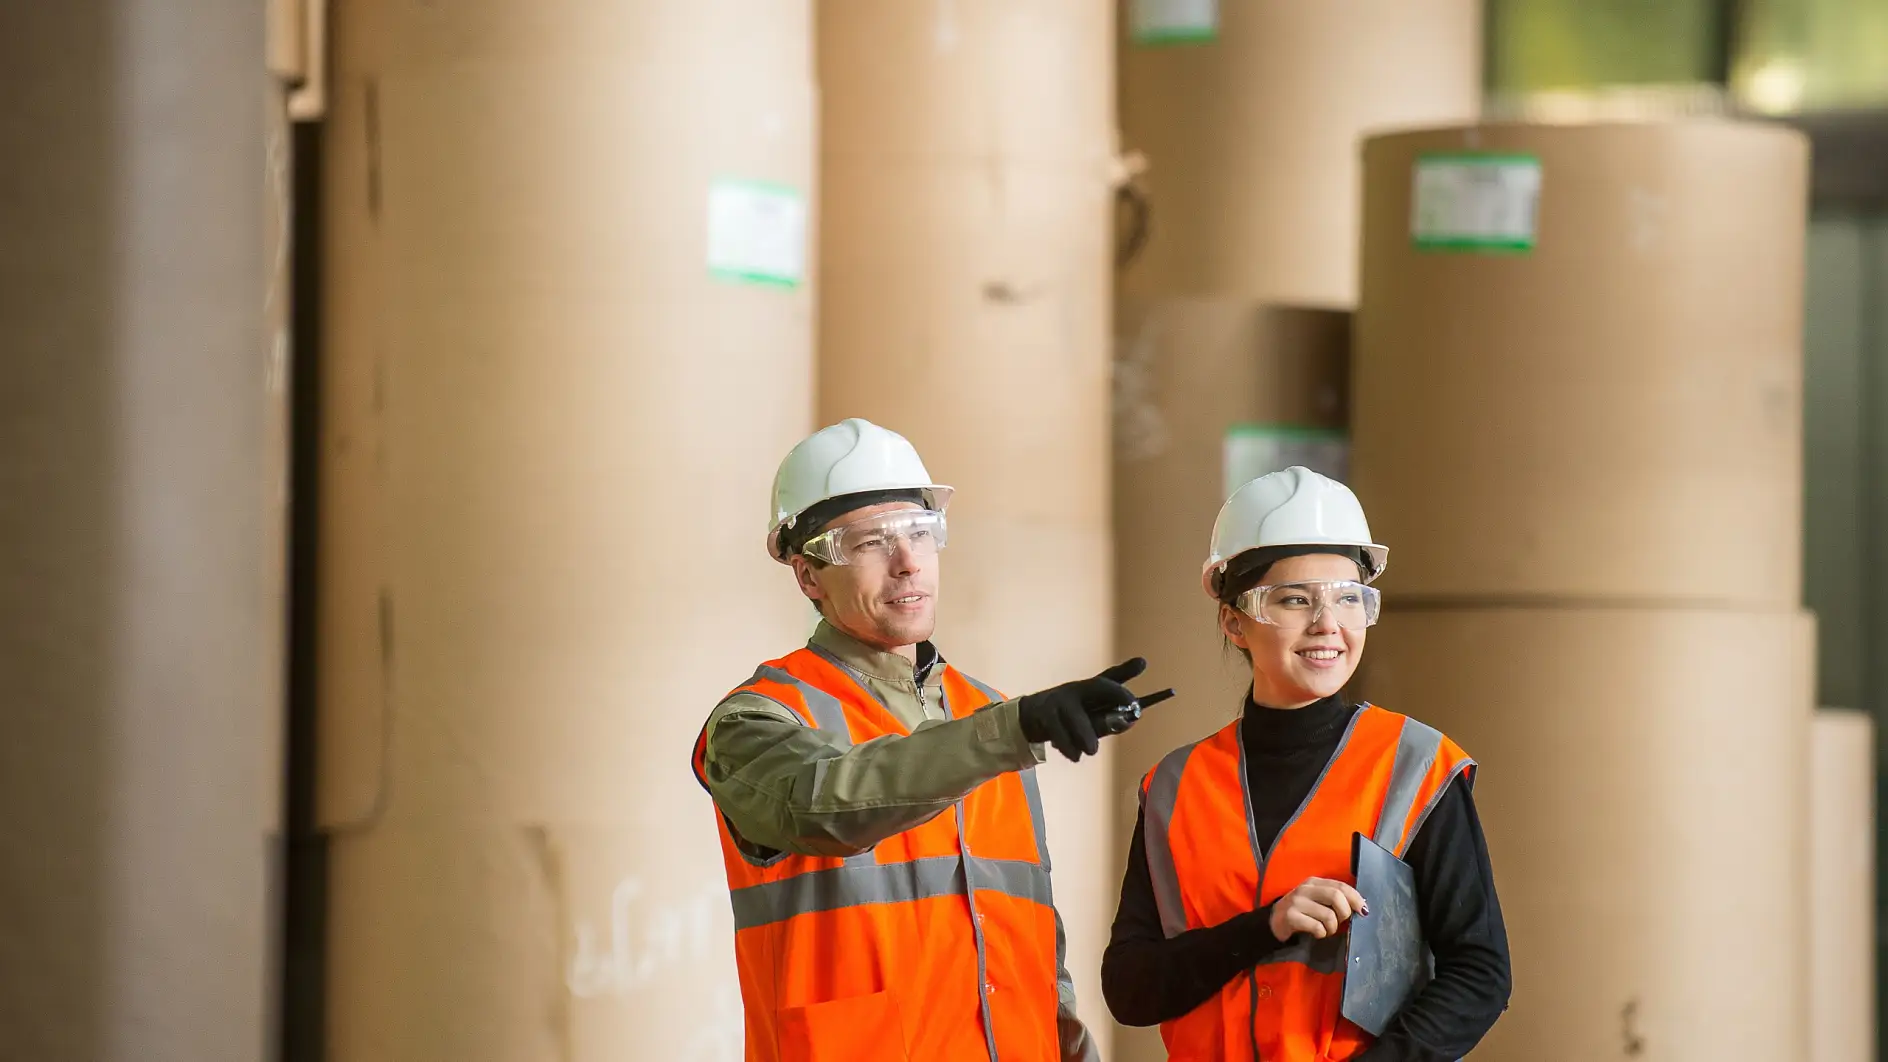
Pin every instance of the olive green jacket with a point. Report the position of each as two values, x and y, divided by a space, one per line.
786 786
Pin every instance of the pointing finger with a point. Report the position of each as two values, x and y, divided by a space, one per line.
1125 670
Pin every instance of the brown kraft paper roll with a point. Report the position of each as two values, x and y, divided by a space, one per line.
1614 413
1642 786
555 395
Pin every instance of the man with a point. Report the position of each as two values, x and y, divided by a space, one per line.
878 811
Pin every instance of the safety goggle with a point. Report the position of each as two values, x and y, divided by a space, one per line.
878 538
1296 606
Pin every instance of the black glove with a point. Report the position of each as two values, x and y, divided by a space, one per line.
1075 716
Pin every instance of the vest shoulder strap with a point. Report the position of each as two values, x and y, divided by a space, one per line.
811 705
1418 749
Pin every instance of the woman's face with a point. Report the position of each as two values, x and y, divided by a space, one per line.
1293 668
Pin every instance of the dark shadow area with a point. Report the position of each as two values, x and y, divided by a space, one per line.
303 1004
1849 159
59 555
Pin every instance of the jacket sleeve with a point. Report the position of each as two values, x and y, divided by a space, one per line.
786 786
1461 921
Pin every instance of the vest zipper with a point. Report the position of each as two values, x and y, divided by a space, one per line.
976 930
1263 855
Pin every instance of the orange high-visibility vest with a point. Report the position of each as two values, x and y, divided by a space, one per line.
888 955
1207 865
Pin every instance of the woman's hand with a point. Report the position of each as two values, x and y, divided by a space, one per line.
1318 906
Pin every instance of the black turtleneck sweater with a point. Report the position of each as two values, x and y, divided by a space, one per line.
1148 978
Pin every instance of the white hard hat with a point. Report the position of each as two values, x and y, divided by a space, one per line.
1291 507
851 457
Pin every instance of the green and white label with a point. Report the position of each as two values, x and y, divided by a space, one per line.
1475 202
757 232
1254 450
1175 21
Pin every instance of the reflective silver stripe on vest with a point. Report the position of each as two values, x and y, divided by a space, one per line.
847 886
829 716
1464 768
855 885
1033 794
994 696
1323 956
1416 752
1157 820
1012 877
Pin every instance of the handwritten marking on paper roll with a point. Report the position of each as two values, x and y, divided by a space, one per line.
642 941
1140 429
1648 218
1628 1027
1006 293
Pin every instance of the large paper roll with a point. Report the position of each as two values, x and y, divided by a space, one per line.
1842 887
569 337
966 156
137 641
1642 785
1250 134
1579 362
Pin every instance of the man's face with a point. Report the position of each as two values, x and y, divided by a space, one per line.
885 598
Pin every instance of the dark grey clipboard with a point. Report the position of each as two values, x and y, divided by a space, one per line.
1385 960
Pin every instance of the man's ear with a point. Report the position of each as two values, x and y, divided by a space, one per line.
803 574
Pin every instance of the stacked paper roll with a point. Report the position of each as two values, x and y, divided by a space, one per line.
1577 424
1579 368
1627 752
1249 116
138 641
569 332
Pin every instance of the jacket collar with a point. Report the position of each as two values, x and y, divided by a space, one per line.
877 663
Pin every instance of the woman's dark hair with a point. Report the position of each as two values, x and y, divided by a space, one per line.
1248 569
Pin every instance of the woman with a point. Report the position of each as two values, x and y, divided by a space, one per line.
1238 884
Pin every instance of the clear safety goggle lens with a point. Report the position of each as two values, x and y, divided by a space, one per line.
877 538
1296 606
